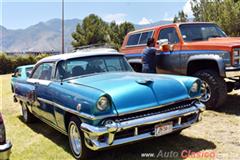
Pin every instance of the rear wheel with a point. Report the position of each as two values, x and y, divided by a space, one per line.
214 89
28 117
76 139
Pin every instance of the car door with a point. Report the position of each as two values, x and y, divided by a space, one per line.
41 79
169 62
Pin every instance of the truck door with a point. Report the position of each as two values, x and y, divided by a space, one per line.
41 79
169 62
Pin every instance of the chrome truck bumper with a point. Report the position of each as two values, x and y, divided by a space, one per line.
232 72
5 150
106 136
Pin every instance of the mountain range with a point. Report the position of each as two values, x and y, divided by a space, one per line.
45 36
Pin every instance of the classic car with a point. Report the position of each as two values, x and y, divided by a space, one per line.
21 72
5 145
198 49
95 97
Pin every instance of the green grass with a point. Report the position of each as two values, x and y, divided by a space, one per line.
219 132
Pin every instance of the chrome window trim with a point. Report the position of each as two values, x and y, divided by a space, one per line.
141 32
40 81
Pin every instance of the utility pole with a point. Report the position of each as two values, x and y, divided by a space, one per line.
62 26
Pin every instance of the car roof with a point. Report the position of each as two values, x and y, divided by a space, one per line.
26 66
166 25
81 53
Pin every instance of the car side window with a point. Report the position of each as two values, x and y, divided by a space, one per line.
17 72
43 71
145 36
133 39
170 34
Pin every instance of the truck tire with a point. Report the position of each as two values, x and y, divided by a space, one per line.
76 140
28 117
214 88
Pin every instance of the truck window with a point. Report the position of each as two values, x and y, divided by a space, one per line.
145 36
170 34
43 71
200 32
133 39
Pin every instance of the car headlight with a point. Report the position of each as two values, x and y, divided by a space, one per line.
194 87
103 103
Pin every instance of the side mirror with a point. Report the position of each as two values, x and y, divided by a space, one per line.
61 79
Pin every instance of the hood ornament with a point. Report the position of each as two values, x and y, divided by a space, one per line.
145 81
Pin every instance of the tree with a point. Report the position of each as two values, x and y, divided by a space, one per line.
94 30
181 17
226 13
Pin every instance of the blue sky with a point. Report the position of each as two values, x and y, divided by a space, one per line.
21 14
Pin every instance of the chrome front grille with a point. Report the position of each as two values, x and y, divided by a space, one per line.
161 109
236 54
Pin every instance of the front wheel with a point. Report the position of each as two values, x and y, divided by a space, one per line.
76 140
214 89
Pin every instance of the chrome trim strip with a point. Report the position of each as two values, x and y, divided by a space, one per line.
40 81
80 114
141 32
51 125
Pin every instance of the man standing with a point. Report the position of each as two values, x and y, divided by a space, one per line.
149 57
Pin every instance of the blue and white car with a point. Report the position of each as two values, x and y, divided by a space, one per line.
95 98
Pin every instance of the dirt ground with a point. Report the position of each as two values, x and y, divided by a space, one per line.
217 134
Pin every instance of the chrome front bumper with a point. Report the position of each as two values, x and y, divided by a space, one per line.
92 134
232 72
5 150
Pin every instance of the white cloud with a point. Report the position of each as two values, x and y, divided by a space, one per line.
118 18
187 9
144 20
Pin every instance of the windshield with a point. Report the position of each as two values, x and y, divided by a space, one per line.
200 32
90 65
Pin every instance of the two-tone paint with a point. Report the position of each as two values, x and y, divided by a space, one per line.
178 60
130 93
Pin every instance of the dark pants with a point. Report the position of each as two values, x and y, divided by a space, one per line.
147 69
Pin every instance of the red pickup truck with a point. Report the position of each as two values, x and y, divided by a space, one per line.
196 49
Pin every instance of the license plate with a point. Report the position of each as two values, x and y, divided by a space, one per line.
162 129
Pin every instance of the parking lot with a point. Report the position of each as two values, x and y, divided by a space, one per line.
218 133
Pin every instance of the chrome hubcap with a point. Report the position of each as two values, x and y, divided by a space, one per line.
75 139
205 92
24 111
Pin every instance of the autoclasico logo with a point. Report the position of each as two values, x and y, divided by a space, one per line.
183 154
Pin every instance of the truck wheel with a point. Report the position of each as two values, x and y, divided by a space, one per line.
76 139
214 89
28 117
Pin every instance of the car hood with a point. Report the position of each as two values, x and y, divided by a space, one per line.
225 43
132 91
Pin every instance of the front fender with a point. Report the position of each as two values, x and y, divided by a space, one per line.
216 58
